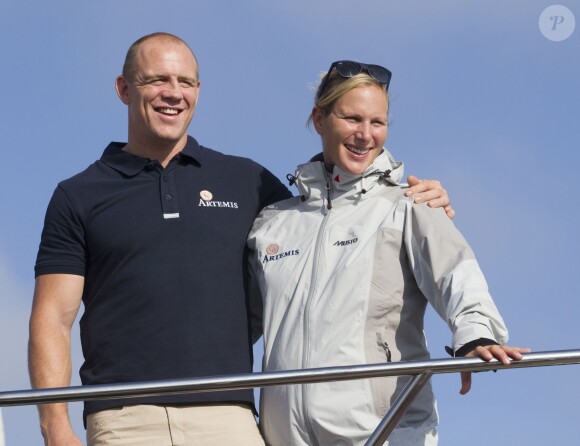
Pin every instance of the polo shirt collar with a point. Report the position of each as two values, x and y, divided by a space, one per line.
128 164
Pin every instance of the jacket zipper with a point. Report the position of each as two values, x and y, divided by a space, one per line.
314 276
328 200
309 298
384 345
387 351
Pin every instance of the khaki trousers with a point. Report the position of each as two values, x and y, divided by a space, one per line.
149 425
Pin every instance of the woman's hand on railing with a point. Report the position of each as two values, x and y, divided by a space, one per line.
503 353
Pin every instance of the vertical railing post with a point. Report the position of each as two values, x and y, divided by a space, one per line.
1 430
398 409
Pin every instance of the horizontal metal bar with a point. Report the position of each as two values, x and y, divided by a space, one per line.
250 380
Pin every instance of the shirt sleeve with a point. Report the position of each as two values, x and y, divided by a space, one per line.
62 245
449 276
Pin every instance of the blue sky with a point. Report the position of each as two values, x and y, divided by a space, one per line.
481 100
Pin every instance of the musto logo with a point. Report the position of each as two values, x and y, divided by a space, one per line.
345 242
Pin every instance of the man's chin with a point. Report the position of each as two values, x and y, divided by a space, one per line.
169 138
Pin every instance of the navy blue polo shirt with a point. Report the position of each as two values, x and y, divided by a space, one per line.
162 254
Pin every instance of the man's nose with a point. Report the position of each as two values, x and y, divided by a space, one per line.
172 90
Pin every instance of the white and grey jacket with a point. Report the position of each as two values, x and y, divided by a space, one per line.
345 271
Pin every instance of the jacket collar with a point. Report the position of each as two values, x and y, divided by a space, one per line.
315 177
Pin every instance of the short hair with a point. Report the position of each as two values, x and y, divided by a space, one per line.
337 86
129 65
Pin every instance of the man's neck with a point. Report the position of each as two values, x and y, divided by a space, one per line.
160 151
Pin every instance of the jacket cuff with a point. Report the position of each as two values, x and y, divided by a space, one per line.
466 348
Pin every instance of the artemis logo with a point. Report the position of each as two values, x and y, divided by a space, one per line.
269 258
218 204
206 195
345 242
272 249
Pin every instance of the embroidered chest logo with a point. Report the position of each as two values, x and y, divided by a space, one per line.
206 195
206 200
345 242
273 253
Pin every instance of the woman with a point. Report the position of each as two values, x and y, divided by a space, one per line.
346 270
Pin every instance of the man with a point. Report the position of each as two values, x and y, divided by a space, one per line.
151 238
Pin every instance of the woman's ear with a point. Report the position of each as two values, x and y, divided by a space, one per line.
318 119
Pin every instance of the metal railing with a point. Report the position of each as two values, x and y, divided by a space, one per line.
1 431
420 370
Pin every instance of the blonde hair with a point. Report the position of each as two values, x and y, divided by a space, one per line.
337 86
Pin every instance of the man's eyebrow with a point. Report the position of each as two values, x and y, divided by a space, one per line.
147 77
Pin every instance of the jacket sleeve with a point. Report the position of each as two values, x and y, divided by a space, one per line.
254 295
448 274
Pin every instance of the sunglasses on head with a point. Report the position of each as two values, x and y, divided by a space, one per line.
349 68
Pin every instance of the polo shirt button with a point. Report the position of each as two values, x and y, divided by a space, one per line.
168 197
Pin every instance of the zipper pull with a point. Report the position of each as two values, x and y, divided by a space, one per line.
328 201
291 179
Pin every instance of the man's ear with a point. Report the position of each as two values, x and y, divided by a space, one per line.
122 88
198 90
